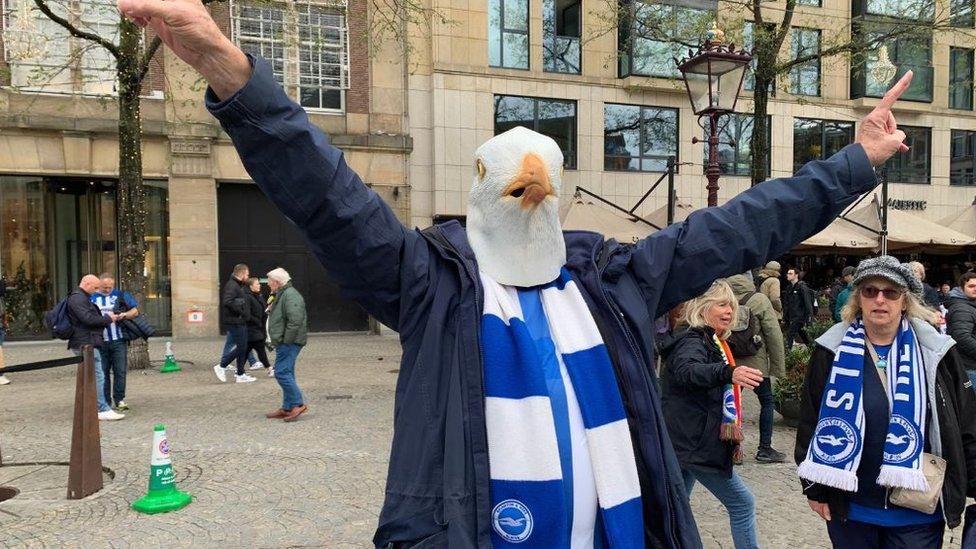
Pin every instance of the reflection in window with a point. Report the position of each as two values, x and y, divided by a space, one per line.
808 3
962 158
961 13
819 139
961 78
561 21
508 33
658 33
923 10
805 78
157 299
552 117
639 138
913 166
24 253
868 72
734 149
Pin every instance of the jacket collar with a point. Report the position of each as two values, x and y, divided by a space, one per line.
934 345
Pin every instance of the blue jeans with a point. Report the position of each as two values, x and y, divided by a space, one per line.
114 367
764 392
737 499
229 346
99 380
237 334
284 369
972 378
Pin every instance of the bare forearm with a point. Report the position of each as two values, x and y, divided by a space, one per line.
226 69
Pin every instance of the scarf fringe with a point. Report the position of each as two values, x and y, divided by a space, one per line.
828 476
731 432
893 476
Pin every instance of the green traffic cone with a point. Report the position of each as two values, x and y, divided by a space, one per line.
170 364
163 495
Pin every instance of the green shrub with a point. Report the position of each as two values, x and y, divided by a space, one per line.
789 386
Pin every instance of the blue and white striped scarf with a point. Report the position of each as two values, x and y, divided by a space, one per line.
558 440
835 448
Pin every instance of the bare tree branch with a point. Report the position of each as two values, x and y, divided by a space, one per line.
75 31
147 57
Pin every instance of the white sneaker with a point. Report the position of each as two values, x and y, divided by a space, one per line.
110 415
257 365
221 373
4 380
271 371
244 378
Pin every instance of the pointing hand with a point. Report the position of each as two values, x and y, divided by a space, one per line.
879 133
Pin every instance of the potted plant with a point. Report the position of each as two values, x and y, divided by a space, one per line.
786 390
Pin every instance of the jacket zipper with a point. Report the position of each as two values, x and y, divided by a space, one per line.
618 317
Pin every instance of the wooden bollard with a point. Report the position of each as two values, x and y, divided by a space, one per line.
85 465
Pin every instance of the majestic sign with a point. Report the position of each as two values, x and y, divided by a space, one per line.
899 204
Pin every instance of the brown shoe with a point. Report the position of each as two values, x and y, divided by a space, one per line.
295 412
277 414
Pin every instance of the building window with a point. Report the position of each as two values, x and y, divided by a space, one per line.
904 53
814 3
961 78
639 138
961 13
552 117
561 21
735 149
915 165
42 56
508 34
819 139
962 158
923 10
805 77
658 33
306 44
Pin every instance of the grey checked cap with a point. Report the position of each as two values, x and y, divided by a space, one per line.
890 269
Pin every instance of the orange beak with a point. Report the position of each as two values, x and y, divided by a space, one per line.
532 183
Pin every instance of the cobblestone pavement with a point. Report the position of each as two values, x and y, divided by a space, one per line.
317 482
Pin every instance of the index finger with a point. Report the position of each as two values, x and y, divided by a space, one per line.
895 92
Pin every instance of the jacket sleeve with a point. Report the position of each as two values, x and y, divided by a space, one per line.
961 326
810 397
766 221
294 311
353 233
775 296
808 297
965 399
688 366
86 313
772 336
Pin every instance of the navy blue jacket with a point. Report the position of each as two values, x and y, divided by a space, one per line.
425 285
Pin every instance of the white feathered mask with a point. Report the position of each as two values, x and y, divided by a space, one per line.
513 208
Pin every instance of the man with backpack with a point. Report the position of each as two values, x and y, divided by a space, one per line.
797 308
87 325
233 300
757 342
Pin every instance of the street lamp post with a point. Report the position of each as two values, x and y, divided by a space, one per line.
713 77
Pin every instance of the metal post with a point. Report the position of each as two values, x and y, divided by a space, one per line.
85 465
712 172
883 175
671 166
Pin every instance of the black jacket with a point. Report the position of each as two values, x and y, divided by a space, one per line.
233 301
931 296
257 316
693 383
956 411
86 320
961 322
797 302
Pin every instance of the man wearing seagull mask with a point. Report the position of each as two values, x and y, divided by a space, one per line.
526 408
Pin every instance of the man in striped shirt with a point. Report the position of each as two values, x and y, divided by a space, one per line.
110 300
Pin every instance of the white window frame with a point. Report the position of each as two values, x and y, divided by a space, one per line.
291 45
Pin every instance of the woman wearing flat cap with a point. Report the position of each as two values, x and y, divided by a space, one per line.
886 444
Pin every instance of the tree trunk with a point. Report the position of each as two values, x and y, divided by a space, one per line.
131 198
759 144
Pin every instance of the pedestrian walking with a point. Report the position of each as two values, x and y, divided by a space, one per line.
115 347
88 324
454 408
887 433
797 308
287 330
233 300
700 389
770 286
257 323
961 321
769 358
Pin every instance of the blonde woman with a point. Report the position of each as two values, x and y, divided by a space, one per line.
883 391
702 408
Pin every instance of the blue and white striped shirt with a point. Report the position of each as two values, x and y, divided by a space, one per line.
107 305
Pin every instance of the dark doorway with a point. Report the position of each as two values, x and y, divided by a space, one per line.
252 231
